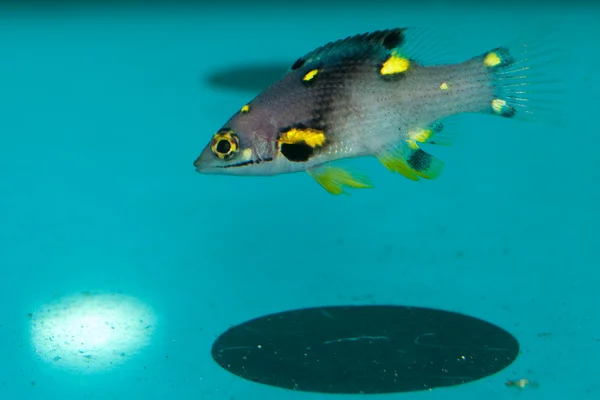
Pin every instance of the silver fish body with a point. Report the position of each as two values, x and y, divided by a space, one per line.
366 95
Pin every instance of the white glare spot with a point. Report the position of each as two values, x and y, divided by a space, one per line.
91 331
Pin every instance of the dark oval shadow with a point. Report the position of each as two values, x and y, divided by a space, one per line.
249 78
365 349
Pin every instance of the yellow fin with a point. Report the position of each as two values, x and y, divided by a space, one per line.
396 164
411 161
335 179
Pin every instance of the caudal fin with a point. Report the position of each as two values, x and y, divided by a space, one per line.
526 76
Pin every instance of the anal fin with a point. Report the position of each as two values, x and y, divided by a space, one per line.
336 179
411 161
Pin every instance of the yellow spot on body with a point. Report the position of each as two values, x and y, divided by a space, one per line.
420 135
498 105
311 137
492 59
394 65
444 86
247 154
310 75
245 109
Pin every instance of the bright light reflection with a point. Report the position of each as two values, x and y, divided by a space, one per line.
91 332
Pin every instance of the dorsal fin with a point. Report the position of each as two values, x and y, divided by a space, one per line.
377 42
425 46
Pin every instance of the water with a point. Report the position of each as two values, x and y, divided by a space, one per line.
103 110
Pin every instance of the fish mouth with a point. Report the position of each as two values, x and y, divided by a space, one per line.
198 165
208 170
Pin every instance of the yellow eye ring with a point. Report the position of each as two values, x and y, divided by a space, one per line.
225 144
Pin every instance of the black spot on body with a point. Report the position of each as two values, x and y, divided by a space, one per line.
394 39
299 62
297 152
419 160
223 146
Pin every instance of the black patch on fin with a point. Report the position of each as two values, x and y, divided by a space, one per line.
394 39
508 112
437 127
419 160
504 110
299 63
297 152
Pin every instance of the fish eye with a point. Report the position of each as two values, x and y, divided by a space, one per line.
225 144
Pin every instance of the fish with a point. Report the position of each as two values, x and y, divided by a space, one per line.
384 94
521 383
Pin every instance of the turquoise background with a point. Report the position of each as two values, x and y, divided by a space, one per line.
104 109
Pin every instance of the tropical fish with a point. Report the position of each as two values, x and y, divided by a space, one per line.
381 94
521 383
